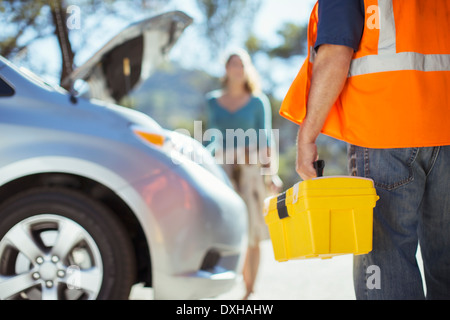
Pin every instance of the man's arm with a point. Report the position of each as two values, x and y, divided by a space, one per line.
330 72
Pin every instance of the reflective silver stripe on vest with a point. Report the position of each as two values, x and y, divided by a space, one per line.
387 43
388 59
400 62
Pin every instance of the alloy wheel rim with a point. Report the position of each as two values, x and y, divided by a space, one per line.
49 257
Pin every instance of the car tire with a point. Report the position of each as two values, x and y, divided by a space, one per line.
60 244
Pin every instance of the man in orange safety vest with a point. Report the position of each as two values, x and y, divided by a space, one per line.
377 76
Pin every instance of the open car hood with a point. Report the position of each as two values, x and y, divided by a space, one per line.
131 56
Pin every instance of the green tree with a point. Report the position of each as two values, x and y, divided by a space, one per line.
294 38
293 42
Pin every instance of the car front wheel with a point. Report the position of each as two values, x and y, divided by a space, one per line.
58 244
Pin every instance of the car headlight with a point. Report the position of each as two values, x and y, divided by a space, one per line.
181 148
175 146
194 151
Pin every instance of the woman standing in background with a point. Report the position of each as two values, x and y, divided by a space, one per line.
240 104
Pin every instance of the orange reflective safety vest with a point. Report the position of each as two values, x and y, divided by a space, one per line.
397 94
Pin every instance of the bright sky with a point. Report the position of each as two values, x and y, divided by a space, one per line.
272 15
273 12
276 12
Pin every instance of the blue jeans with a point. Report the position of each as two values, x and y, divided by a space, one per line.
414 208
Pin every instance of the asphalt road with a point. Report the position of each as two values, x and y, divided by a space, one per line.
292 280
300 280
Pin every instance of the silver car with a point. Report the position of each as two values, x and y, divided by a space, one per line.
95 197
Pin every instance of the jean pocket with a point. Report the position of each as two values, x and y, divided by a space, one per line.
390 168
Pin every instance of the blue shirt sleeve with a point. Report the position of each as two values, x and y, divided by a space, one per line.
341 22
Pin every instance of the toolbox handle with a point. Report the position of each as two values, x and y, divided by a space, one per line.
319 166
281 199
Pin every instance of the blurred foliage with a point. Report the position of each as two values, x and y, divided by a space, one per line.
223 17
24 22
293 42
16 18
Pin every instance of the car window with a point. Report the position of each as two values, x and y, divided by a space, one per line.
5 89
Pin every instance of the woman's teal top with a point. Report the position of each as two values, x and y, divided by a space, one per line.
249 125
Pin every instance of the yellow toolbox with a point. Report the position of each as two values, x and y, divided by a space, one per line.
322 218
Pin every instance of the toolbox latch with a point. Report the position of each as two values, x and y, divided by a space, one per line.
281 206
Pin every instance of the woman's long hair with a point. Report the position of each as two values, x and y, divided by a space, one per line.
252 83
